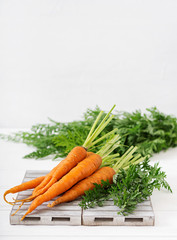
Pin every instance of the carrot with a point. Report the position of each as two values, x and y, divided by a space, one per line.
84 169
76 155
24 186
89 154
45 181
104 173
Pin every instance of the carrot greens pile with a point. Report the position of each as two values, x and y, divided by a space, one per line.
130 187
151 132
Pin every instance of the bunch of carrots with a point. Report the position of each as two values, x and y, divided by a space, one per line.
79 171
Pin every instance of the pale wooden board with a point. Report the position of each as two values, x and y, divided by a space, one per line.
71 214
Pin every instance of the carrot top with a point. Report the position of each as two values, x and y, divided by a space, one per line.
95 131
130 157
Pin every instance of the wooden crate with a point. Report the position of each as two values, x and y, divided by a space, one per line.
72 214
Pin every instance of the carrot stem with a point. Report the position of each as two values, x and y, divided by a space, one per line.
93 126
109 146
134 163
95 132
116 145
126 157
104 136
110 160
98 130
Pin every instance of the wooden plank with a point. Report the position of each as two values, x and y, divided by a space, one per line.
61 207
116 209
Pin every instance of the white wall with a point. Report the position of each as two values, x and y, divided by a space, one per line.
58 57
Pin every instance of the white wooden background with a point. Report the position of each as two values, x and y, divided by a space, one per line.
59 57
12 170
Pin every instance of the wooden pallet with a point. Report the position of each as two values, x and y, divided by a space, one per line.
72 214
107 215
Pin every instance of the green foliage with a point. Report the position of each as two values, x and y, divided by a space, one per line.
96 196
151 132
130 187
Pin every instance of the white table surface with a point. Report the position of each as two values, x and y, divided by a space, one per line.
12 170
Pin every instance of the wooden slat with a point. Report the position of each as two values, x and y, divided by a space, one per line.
111 203
116 209
61 207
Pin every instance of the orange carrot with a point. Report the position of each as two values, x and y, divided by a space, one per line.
84 169
76 155
24 186
89 154
104 173
45 181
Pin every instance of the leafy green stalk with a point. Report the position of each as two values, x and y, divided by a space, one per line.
93 134
112 143
124 161
109 146
93 127
97 196
135 185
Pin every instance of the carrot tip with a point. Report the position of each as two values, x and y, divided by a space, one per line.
4 196
25 199
23 217
51 205
18 209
